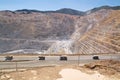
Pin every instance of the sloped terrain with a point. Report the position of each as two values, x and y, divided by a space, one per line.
35 25
103 35
61 31
20 30
100 70
108 67
95 33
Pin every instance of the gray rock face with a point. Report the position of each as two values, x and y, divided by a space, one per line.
60 32
27 31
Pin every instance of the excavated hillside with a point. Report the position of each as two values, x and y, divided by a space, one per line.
97 31
101 33
35 30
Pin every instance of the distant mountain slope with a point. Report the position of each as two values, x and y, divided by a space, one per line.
96 33
103 7
61 31
36 25
102 33
33 26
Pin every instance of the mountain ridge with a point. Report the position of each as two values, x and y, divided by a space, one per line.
66 10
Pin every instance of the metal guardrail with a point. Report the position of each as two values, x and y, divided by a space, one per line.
61 60
34 54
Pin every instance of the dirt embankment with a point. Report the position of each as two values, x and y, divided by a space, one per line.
109 69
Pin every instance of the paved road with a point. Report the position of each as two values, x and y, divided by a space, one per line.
51 60
29 40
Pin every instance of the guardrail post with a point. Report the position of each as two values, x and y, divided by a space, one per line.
16 65
78 59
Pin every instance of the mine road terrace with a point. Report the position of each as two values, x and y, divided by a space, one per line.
29 61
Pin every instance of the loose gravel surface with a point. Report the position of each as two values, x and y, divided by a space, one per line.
102 70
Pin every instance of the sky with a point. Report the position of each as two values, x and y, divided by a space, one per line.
44 5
